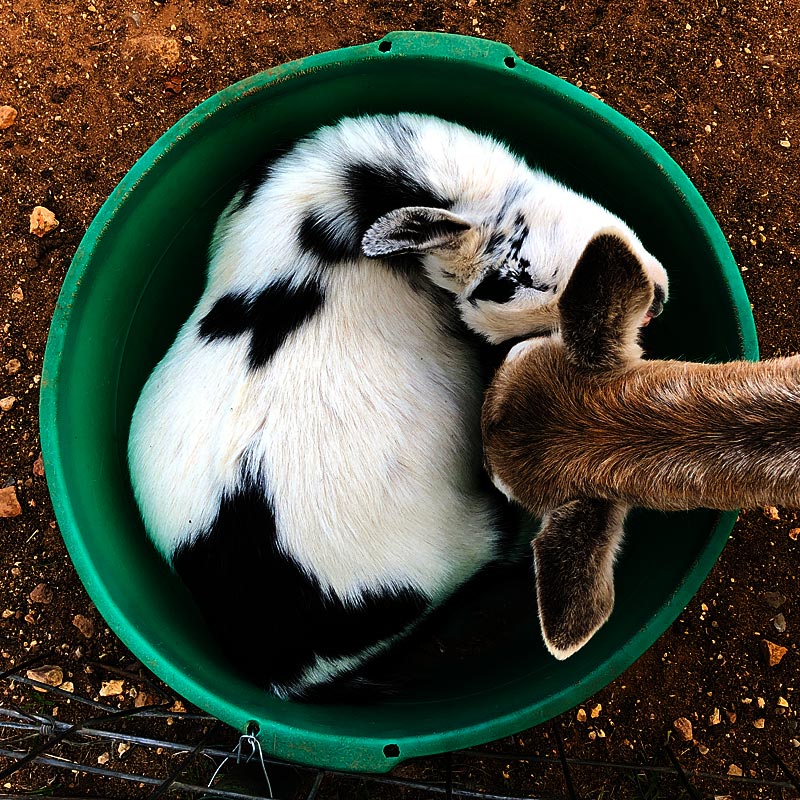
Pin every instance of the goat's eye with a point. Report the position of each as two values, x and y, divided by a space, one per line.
501 287
495 288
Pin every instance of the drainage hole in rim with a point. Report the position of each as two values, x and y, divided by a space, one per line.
253 728
509 62
385 47
391 751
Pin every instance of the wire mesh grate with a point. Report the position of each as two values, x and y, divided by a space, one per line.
208 759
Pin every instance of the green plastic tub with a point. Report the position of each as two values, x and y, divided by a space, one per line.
140 269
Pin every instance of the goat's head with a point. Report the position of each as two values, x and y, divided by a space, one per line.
510 267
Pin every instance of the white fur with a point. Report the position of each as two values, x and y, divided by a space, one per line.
364 427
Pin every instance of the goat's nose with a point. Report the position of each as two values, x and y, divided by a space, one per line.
659 297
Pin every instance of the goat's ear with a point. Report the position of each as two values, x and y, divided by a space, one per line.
603 305
574 558
414 229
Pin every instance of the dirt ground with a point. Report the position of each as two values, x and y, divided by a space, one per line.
96 82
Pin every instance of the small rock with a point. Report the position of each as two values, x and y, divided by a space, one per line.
779 621
13 366
177 707
581 715
785 143
595 712
771 513
144 699
84 625
111 688
49 674
702 749
67 686
794 533
7 403
103 758
759 723
773 599
783 702
761 702
733 769
9 505
731 715
8 116
17 295
772 653
795 742
42 221
41 594
683 728
38 467
123 748
717 63
715 718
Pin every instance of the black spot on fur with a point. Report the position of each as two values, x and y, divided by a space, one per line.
372 192
229 316
269 317
494 242
319 235
269 615
376 190
280 309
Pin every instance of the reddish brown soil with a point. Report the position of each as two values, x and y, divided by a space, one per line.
716 85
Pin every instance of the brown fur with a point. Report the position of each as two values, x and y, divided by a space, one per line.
659 434
580 414
577 428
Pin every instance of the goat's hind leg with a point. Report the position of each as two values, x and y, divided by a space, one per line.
574 556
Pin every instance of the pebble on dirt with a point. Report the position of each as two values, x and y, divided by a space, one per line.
7 403
38 467
793 533
41 594
683 728
8 116
779 621
84 625
9 505
42 221
773 599
772 653
111 688
13 366
49 674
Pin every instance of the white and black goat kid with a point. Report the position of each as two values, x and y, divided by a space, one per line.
319 411
577 428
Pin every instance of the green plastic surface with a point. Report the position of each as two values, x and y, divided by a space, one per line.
140 269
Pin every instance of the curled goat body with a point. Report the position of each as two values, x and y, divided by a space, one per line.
578 427
307 454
